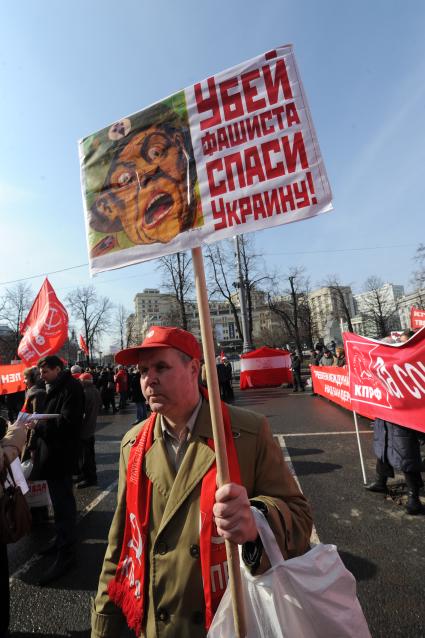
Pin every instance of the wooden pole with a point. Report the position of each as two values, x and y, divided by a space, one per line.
223 475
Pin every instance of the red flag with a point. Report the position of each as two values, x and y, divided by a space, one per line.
83 345
46 327
388 379
417 318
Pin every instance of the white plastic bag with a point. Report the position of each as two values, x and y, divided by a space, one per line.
38 495
311 596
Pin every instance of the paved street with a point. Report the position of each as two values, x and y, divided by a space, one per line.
377 540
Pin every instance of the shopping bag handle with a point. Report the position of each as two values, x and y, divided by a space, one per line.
267 538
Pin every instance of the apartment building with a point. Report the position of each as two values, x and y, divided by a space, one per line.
326 306
366 304
414 299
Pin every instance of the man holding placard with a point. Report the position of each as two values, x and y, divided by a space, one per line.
234 153
165 566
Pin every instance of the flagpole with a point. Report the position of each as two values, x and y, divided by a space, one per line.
356 425
223 475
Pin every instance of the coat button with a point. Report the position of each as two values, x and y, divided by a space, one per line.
194 551
198 618
162 615
161 548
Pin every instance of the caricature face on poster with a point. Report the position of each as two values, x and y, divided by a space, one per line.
232 154
144 180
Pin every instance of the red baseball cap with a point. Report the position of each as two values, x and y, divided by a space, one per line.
162 337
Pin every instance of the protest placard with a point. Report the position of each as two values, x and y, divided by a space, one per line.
232 154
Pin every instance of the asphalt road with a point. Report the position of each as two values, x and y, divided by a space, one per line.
377 540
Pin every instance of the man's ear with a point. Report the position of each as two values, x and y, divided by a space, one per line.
196 366
104 215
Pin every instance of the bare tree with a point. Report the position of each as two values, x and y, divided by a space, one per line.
379 310
343 308
132 336
177 278
276 336
221 268
121 324
14 307
307 320
254 274
418 277
224 281
70 348
291 305
92 311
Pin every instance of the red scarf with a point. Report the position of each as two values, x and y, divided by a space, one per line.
128 587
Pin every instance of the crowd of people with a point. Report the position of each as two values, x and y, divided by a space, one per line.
61 451
120 384
167 473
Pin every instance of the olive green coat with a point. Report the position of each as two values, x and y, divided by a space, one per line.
175 605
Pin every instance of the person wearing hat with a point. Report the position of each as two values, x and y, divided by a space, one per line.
76 370
87 460
165 567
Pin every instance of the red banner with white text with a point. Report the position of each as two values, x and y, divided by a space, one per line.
333 383
417 318
12 378
388 379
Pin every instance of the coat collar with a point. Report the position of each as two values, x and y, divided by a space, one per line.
202 427
196 462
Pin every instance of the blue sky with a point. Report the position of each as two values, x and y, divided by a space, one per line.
69 69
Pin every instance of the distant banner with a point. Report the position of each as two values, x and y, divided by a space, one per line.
333 383
388 379
83 345
232 154
417 318
12 378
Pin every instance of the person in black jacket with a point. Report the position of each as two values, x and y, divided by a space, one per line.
87 461
398 448
296 371
65 397
138 398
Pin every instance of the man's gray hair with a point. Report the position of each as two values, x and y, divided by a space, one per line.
183 356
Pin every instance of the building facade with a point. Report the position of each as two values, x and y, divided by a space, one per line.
327 311
406 303
378 309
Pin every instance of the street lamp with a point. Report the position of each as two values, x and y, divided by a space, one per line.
247 345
